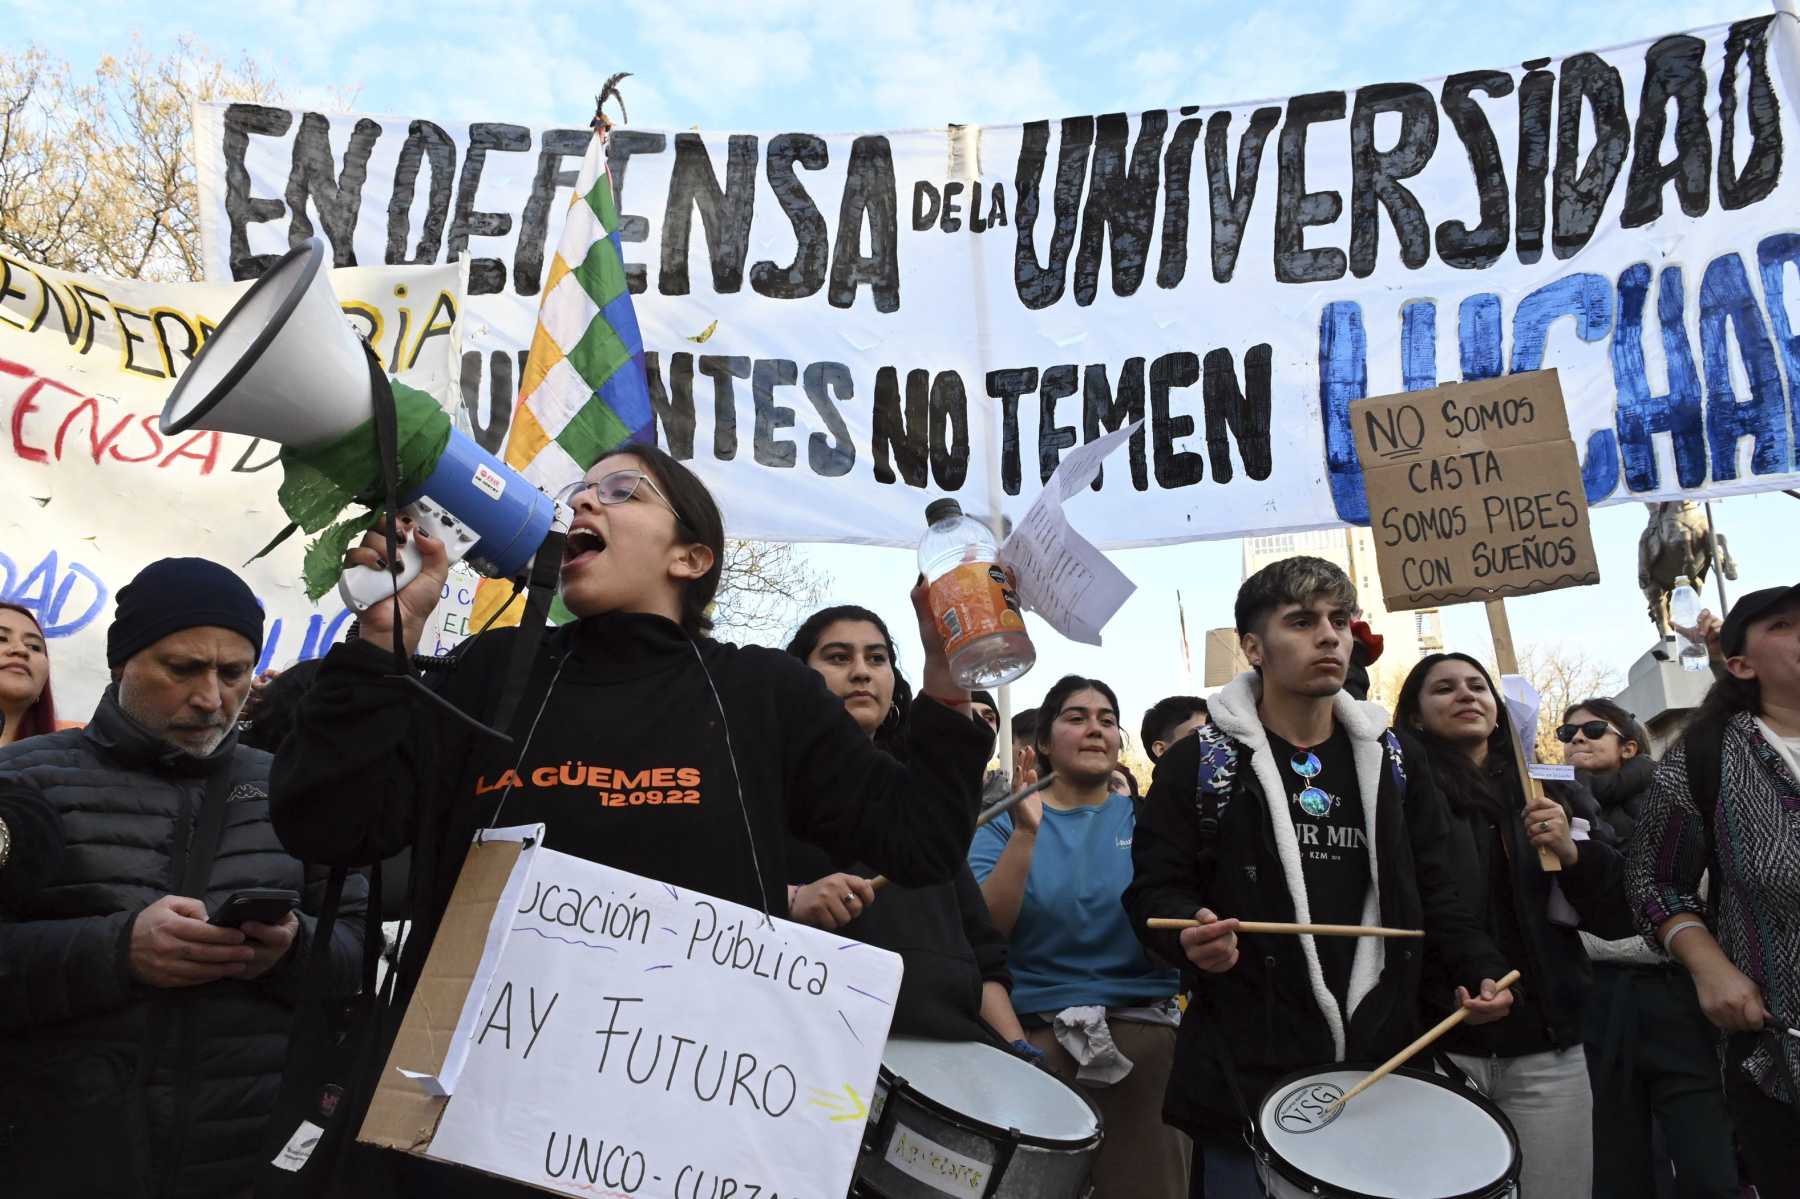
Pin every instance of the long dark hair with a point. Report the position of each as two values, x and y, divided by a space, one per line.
697 518
1728 696
890 736
1629 727
1054 699
40 717
1468 787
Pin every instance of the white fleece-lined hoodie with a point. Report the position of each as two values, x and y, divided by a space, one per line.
1233 711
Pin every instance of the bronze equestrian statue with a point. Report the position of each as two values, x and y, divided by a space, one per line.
1673 550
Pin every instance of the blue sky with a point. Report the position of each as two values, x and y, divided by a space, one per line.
782 63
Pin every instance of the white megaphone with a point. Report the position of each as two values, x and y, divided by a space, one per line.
286 366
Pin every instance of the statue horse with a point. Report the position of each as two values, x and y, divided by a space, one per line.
1673 550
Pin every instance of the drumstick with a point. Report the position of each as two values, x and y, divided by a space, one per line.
997 808
1405 1055
1275 926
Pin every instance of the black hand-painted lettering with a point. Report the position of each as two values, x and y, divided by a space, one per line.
1376 174
1230 205
900 433
805 275
1243 413
621 146
1102 413
673 407
725 213
487 276
1581 196
1458 245
1536 93
424 142
242 209
722 371
1297 209
1007 386
870 196
1121 204
557 147
824 382
1041 285
769 374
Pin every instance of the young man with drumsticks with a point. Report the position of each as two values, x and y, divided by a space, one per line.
1294 805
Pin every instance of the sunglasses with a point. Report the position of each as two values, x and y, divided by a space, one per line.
616 487
1593 730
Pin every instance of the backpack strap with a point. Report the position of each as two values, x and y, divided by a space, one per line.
1396 763
1705 764
1217 775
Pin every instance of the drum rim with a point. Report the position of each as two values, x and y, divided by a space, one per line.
1294 1174
994 1131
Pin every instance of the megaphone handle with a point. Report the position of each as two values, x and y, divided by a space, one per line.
362 587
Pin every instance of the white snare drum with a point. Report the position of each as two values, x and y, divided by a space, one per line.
1410 1136
968 1119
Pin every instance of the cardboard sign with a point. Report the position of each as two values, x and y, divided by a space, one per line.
1474 492
584 1030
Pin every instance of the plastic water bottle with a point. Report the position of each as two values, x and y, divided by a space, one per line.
972 599
1684 612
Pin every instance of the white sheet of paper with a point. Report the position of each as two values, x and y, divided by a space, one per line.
1522 705
1061 576
644 1039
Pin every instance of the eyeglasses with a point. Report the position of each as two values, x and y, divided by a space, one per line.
1593 730
615 487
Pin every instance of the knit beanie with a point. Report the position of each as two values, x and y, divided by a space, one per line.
180 593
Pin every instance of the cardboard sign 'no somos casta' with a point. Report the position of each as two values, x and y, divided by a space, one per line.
1475 492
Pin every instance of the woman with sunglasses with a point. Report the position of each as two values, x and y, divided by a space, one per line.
955 986
1649 1048
640 743
1531 1066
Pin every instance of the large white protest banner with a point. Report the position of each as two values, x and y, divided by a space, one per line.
587 1030
899 315
95 491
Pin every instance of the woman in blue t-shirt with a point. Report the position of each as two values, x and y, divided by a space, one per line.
1052 872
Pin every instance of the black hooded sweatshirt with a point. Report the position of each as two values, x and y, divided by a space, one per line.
944 934
626 762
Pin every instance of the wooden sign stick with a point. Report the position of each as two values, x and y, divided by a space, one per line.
1276 926
1508 662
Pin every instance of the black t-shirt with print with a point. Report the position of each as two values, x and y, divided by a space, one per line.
1334 851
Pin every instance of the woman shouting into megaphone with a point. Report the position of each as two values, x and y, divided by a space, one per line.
639 743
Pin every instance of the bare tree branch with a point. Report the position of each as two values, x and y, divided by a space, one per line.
767 588
1564 675
99 177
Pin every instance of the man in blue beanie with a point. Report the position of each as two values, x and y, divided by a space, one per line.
142 1043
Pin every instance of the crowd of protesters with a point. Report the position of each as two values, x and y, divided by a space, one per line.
151 1045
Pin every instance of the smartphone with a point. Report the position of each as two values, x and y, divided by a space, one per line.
263 905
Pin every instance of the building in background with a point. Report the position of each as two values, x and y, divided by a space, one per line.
1406 636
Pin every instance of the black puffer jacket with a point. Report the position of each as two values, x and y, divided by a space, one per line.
74 1022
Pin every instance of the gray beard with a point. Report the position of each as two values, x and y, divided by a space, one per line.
213 742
